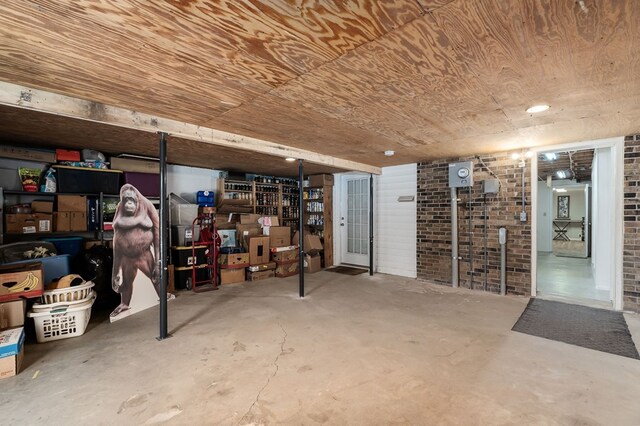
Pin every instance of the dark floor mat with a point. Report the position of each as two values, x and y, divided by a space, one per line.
347 270
592 328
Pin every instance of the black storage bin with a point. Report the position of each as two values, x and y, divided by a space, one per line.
183 276
83 180
183 256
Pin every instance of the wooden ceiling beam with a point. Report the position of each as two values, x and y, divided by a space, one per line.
18 96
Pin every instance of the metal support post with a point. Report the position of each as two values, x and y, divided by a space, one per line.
162 262
301 225
371 224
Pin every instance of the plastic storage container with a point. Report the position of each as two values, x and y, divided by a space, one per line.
54 267
205 199
147 183
86 180
62 321
67 245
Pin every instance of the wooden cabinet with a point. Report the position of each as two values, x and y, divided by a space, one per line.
318 217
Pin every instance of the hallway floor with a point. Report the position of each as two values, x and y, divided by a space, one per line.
357 350
569 277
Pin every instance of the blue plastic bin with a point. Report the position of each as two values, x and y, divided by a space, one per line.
67 245
205 199
54 266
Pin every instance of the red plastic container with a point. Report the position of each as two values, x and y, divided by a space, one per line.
67 155
147 183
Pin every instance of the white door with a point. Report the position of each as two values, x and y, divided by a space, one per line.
355 220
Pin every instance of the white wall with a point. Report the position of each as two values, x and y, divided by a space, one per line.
577 210
603 247
545 216
395 222
186 181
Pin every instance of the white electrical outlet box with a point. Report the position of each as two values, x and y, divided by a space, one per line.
502 235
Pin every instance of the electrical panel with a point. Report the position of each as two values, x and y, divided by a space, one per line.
461 174
490 186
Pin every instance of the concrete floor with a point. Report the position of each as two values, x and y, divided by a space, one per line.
357 350
570 277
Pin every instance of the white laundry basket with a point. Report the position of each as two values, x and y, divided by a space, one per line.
61 321
68 294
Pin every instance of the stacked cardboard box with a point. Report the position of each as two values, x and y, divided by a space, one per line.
38 221
232 267
312 249
71 214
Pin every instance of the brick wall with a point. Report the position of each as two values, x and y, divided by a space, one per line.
631 256
503 210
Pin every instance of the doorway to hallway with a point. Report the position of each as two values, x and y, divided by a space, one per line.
575 238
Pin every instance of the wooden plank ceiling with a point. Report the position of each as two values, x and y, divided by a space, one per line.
427 78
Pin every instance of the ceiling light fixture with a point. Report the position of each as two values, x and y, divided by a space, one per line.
537 108
551 156
290 159
528 154
515 156
561 174
389 153
560 190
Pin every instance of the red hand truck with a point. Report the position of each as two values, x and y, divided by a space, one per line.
205 277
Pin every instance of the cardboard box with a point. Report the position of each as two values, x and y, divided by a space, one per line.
78 221
285 256
312 263
312 243
264 267
72 203
260 275
249 219
287 269
11 352
133 165
28 223
42 206
24 280
62 221
320 180
279 236
227 221
245 232
234 260
12 314
259 250
231 276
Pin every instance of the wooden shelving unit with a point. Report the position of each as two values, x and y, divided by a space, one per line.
265 198
318 217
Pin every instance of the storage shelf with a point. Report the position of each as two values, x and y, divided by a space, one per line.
231 191
266 205
313 199
9 234
53 194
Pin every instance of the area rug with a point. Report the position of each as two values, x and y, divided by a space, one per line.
347 270
592 328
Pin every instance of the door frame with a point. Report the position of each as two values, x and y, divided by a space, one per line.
617 154
339 212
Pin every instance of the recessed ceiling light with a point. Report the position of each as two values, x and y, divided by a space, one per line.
289 159
550 156
560 190
515 156
537 108
389 153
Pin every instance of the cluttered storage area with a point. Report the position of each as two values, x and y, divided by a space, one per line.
79 238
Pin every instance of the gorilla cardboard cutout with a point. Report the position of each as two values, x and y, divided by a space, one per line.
136 248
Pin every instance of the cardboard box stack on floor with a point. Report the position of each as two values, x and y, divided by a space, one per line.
312 249
283 254
27 282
